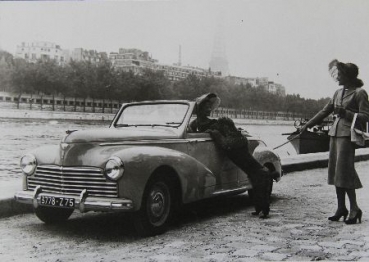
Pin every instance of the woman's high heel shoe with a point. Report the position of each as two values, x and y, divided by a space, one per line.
338 215
354 219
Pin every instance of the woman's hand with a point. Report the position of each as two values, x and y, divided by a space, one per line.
303 129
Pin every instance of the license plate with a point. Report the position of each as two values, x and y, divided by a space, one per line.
57 201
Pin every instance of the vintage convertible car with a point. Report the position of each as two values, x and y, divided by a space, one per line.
147 162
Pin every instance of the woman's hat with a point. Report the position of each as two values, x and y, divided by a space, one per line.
349 70
211 97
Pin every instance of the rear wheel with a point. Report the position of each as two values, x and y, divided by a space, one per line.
156 208
51 215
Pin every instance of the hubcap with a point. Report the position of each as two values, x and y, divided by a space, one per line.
158 204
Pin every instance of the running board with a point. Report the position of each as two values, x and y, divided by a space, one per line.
229 191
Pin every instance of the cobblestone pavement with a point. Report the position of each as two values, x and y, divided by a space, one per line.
217 230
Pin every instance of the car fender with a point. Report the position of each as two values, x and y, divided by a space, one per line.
140 163
49 155
267 156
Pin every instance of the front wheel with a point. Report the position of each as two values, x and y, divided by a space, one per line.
51 215
156 209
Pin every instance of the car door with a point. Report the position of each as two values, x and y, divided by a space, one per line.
203 149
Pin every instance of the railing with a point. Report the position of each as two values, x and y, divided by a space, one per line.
257 114
47 103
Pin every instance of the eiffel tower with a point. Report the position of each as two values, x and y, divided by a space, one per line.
218 61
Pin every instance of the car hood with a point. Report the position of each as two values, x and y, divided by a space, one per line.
120 134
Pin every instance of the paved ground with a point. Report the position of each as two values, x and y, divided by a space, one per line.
218 230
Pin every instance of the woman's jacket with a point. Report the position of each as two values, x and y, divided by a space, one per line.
353 101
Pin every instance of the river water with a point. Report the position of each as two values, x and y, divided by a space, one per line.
21 135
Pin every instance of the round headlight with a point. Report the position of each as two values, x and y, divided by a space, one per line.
114 168
28 164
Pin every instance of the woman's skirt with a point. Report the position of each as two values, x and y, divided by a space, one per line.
341 169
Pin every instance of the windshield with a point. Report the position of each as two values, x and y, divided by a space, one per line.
171 115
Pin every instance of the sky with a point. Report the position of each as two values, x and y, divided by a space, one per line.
289 41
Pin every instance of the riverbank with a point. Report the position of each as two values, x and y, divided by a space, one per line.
54 115
61 115
271 122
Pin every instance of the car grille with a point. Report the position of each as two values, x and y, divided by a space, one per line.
72 180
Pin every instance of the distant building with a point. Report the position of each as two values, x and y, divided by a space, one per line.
80 54
132 60
136 61
252 81
176 73
276 89
262 81
45 51
281 90
237 80
32 52
272 87
257 82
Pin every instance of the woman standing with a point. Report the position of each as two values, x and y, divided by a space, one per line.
346 101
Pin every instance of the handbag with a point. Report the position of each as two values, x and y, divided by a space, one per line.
357 136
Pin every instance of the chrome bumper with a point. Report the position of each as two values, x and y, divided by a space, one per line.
83 202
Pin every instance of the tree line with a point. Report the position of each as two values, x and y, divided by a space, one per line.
101 81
